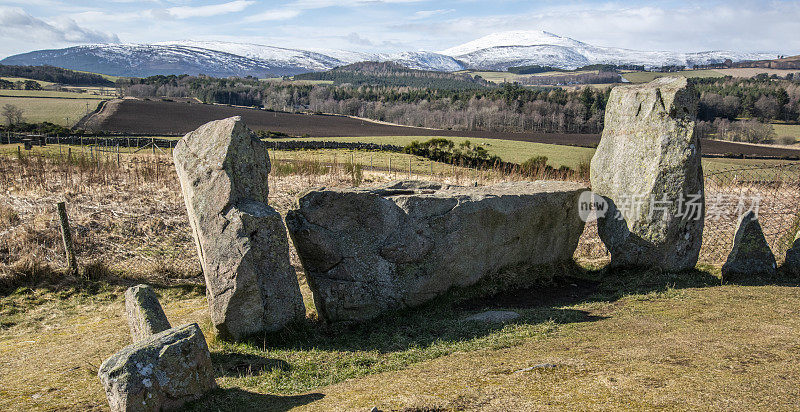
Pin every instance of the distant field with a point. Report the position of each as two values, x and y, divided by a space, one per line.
750 72
105 76
787 130
164 118
508 150
644 77
518 152
51 94
500 77
22 79
281 79
65 112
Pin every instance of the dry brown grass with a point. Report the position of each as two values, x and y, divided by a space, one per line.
127 212
128 217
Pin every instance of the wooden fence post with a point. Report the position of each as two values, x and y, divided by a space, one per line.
66 236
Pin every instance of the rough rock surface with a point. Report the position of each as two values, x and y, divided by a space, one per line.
494 316
791 265
368 250
145 315
751 255
647 166
159 373
241 241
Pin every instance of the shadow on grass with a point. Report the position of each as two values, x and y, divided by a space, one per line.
240 364
783 276
443 320
235 399
91 278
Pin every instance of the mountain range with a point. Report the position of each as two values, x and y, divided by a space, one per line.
496 51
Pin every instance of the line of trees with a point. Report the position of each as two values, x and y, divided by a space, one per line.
748 131
510 107
389 74
20 85
568 79
762 97
729 108
55 75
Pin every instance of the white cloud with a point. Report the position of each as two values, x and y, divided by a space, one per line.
424 14
356 39
318 4
16 26
185 12
270 15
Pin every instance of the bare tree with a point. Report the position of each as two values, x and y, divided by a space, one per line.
12 113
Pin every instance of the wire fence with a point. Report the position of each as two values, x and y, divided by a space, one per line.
770 190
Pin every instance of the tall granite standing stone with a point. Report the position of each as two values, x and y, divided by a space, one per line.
751 255
145 315
370 250
647 166
241 241
160 373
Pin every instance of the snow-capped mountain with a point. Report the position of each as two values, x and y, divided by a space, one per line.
498 51
422 60
512 38
152 59
274 56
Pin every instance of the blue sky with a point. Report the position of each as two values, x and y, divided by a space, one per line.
394 25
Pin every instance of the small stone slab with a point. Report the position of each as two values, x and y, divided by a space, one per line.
791 266
145 315
751 255
494 316
162 372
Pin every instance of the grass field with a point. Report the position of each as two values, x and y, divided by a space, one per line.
65 112
644 77
638 341
51 94
508 150
787 130
518 152
750 72
501 77
22 79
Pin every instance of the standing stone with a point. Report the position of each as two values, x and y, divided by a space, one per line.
370 250
159 373
647 166
145 315
791 265
241 241
751 256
